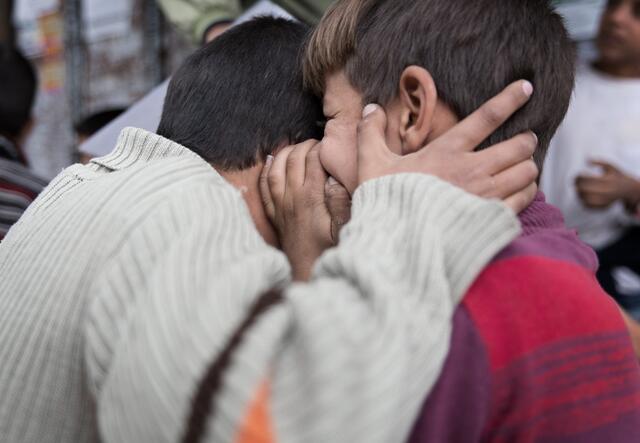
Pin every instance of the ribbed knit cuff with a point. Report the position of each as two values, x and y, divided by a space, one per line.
471 230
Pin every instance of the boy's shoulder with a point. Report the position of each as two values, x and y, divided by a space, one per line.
533 299
557 349
541 290
538 351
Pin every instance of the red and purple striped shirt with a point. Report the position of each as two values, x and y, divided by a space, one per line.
539 353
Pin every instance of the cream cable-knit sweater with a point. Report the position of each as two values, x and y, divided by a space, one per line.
125 277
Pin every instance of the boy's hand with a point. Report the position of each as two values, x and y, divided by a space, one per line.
505 171
306 208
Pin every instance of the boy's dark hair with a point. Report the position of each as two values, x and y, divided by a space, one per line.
92 123
472 48
240 97
18 86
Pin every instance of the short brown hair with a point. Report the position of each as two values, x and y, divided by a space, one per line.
472 48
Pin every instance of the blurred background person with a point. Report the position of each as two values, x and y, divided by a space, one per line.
593 166
18 185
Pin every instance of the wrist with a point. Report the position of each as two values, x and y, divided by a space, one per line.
302 257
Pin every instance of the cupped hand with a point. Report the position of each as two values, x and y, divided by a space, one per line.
306 207
600 192
504 171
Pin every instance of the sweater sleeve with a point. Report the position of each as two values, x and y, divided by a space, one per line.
165 304
348 357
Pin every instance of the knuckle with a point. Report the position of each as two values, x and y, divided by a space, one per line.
528 144
292 159
491 116
273 180
531 169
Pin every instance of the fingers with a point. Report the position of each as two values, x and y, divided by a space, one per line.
373 153
595 192
265 191
296 164
473 130
595 200
371 129
522 199
585 183
606 167
507 154
514 179
277 176
315 173
338 202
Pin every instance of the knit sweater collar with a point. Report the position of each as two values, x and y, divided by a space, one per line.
137 146
544 233
540 216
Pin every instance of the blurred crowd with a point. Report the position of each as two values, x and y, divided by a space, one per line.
590 172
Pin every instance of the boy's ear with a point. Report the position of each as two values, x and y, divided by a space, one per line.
418 101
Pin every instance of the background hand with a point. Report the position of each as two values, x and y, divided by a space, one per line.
600 192
505 171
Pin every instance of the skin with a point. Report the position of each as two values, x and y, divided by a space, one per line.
368 147
342 106
331 204
216 31
414 119
602 191
247 182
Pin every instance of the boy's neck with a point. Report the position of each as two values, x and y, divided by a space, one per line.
247 182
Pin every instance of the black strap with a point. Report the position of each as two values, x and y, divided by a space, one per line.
202 409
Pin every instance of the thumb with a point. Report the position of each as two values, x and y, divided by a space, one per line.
265 190
372 146
338 202
371 130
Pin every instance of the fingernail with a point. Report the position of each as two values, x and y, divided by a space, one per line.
535 137
269 160
369 109
332 181
527 87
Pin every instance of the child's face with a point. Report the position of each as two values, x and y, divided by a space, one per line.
342 105
619 37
